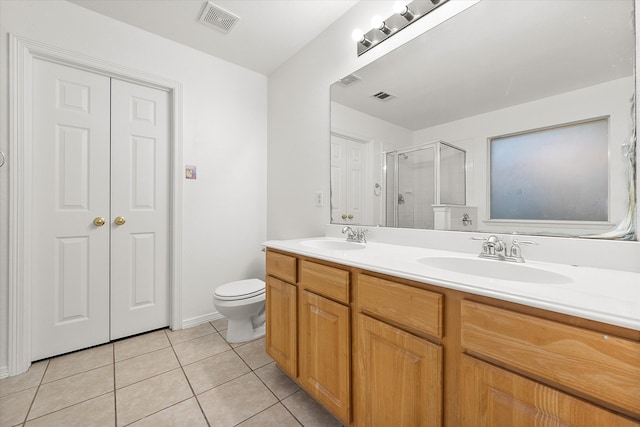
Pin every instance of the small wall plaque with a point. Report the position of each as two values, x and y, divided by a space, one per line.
190 172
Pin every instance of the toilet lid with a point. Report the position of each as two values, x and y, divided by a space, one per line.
240 290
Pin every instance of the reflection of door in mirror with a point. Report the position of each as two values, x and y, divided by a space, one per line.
348 179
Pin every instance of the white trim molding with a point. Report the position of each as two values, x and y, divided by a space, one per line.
22 52
199 320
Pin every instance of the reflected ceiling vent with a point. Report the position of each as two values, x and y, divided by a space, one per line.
384 96
215 17
349 80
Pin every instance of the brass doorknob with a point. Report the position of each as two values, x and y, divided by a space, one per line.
99 221
120 220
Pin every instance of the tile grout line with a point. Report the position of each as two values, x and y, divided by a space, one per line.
66 407
251 371
153 376
195 396
115 398
26 416
277 398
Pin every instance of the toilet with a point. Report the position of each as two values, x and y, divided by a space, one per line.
243 304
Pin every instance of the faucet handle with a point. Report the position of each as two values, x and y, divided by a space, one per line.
515 252
522 242
360 232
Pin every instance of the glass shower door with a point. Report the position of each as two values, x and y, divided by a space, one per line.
411 190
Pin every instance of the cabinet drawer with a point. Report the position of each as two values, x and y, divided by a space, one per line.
414 308
593 364
491 396
281 266
324 280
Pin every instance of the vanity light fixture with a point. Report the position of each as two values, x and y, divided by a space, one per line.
358 36
377 22
406 13
402 9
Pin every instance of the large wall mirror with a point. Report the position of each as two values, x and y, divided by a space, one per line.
538 95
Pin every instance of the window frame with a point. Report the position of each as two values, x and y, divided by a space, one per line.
534 224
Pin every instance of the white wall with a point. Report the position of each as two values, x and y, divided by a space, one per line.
224 135
350 122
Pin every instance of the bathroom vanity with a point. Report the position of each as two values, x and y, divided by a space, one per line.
380 339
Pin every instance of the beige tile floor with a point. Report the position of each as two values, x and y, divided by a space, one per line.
187 378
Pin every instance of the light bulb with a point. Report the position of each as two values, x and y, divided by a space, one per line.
400 7
377 22
357 35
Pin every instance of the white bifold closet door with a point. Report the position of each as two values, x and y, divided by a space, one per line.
99 228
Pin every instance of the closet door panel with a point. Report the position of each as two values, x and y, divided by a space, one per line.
70 187
140 199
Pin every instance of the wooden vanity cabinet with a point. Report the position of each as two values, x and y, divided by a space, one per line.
377 350
281 339
398 372
308 328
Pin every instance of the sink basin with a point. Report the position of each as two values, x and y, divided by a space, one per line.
495 269
332 245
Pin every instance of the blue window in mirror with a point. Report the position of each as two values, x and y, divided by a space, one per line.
552 174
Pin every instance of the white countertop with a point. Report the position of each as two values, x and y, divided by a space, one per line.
608 296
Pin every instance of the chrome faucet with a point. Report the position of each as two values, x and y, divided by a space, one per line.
357 235
494 248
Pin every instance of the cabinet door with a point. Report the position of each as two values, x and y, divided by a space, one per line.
494 397
399 378
281 339
325 353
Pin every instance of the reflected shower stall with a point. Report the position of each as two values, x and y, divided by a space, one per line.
419 178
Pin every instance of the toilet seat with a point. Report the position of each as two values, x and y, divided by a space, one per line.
242 289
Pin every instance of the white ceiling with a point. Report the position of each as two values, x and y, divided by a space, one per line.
268 33
494 55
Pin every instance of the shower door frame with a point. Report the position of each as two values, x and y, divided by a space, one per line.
436 174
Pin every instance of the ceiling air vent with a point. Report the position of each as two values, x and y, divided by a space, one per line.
218 18
349 80
383 96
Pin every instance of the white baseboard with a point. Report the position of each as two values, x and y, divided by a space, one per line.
198 320
4 372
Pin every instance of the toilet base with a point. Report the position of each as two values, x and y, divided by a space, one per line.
239 331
